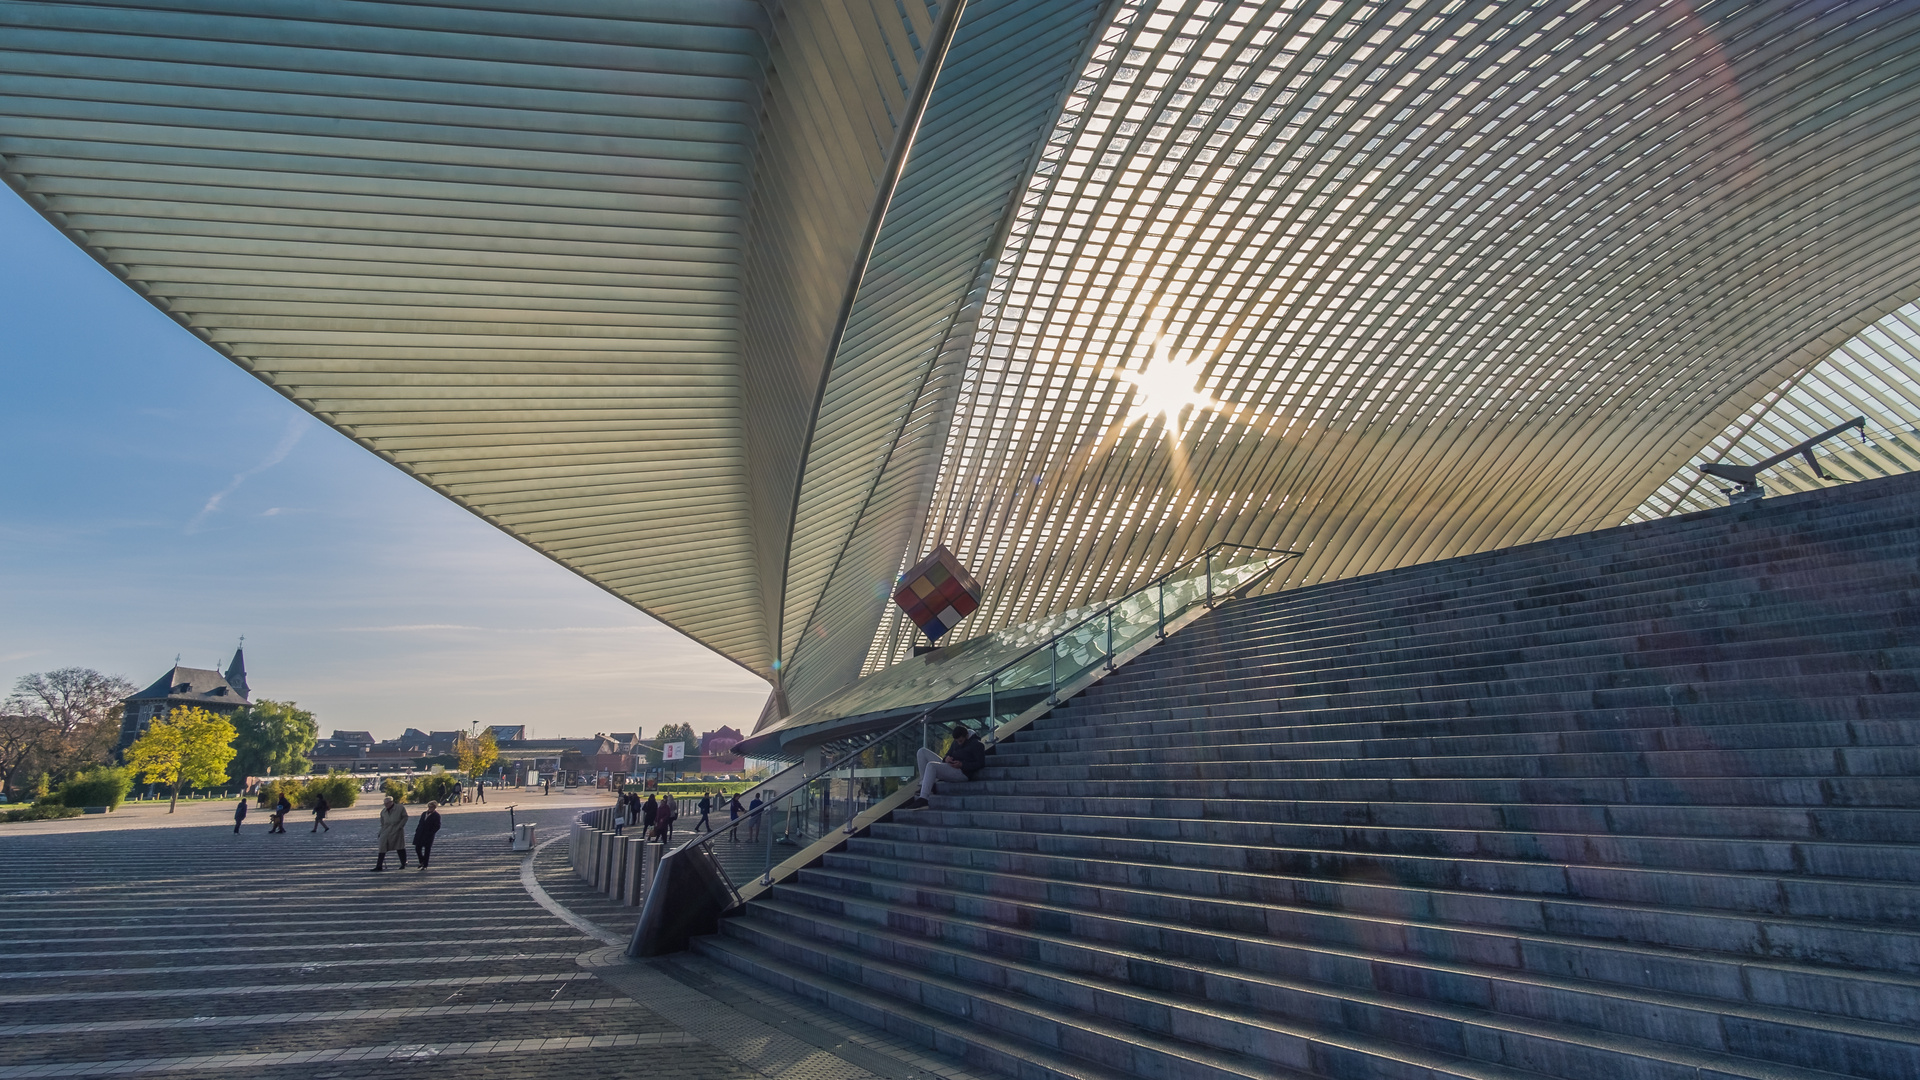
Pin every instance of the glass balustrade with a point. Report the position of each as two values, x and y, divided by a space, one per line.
800 806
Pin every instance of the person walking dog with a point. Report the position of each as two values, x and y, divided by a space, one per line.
393 833
320 809
280 811
424 833
240 813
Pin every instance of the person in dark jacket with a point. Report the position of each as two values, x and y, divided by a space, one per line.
320 809
733 817
240 813
663 818
280 811
424 832
649 811
963 759
706 808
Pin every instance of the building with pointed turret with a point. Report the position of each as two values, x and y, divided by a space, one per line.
210 690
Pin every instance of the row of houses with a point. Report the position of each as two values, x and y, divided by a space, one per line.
359 751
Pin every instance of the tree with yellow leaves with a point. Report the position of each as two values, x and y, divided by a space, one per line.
476 755
191 746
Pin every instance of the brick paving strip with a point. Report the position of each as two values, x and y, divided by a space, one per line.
14 958
302 967
276 988
175 1022
391 1052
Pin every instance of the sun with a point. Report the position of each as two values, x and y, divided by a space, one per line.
1166 388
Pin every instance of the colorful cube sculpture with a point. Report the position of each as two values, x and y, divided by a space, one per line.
937 593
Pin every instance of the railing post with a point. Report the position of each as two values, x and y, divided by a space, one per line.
1162 601
1209 579
1109 639
766 814
1053 673
993 714
852 806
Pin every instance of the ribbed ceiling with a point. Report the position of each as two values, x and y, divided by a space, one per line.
1388 283
735 308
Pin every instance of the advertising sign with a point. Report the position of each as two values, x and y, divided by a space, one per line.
673 751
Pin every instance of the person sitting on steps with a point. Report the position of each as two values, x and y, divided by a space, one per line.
965 757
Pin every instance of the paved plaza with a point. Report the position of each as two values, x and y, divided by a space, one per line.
146 944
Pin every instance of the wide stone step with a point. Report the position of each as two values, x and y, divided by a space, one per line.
1465 716
1757 935
1462 701
1745 855
989 1047
1342 947
1892 761
1880 671
1430 599
1772 823
1512 576
1264 1018
1233 743
1765 894
1898 792
1891 626
1640 611
1370 992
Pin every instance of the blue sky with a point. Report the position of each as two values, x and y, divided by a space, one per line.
155 499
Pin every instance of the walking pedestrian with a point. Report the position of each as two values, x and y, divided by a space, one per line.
320 809
649 813
733 818
706 808
280 811
424 833
393 833
480 790
753 819
663 818
240 813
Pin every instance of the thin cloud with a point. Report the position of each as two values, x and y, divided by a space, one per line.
296 428
405 627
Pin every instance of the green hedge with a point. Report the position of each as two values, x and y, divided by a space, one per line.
40 812
341 790
102 785
294 790
432 787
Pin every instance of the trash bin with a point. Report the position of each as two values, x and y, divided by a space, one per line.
523 837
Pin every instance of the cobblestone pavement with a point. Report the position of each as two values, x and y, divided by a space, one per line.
167 948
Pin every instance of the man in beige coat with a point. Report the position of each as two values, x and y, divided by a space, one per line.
393 833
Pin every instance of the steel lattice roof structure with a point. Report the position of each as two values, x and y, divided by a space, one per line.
736 308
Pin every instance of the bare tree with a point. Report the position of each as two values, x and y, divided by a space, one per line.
80 706
21 737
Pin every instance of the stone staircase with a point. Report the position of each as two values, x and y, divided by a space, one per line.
1642 803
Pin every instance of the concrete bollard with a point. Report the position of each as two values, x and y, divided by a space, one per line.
650 865
636 870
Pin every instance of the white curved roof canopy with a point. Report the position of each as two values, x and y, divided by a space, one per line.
658 287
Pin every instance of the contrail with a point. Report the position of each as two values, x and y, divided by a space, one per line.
295 429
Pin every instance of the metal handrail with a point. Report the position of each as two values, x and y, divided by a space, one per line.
926 715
